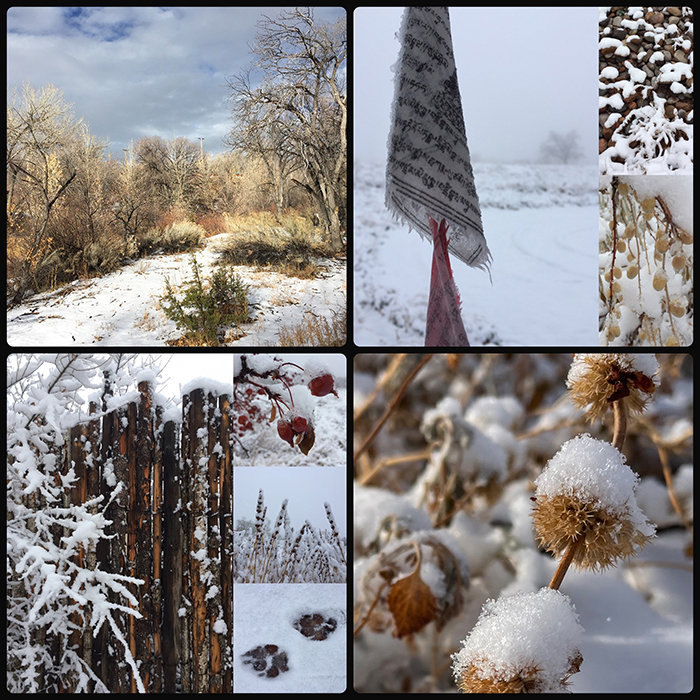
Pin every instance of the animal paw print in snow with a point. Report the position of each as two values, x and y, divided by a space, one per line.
315 626
267 661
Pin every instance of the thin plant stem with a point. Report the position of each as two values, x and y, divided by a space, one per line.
620 430
565 562
394 402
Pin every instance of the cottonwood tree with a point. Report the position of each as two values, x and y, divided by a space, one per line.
300 106
40 128
561 148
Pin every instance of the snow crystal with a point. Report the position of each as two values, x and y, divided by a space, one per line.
521 632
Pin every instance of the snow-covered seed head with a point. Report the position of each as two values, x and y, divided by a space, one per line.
595 380
526 643
586 494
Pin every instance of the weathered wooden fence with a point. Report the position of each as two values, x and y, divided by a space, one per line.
172 527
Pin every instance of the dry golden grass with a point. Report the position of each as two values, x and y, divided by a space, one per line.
316 331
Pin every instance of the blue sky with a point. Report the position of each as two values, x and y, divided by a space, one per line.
139 71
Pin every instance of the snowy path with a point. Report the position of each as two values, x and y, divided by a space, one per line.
122 308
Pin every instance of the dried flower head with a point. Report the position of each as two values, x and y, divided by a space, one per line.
586 494
598 379
526 643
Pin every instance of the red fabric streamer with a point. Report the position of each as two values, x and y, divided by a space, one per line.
444 326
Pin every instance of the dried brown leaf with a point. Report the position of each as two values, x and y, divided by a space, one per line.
412 604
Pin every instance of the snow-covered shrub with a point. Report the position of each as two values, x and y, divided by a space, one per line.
55 593
646 261
207 306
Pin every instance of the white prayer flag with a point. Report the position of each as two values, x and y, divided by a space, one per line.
429 172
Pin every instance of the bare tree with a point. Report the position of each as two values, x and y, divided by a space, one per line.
561 148
300 107
40 128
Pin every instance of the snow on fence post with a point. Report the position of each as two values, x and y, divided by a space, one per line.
172 558
197 543
226 540
213 540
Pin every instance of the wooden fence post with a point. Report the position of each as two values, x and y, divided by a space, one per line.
189 433
172 557
226 530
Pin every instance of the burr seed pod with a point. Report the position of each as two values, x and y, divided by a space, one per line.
595 380
525 643
586 495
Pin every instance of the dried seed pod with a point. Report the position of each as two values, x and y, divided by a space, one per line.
672 341
617 287
677 306
662 244
630 230
611 224
686 237
660 279
648 204
678 262
647 215
606 275
617 272
614 331
623 188
632 271
621 246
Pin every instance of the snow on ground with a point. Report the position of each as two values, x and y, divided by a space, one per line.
541 225
265 613
122 308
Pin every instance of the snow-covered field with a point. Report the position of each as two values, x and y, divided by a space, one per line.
122 308
541 224
265 614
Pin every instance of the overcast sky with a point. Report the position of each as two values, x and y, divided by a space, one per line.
139 71
306 489
522 71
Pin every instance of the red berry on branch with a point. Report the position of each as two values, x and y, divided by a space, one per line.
299 424
285 431
322 385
